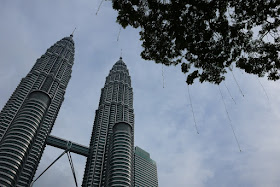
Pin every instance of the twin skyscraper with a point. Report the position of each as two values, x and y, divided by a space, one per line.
28 117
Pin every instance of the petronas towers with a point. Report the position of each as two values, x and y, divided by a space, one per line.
28 117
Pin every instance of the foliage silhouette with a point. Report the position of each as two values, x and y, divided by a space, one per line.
207 37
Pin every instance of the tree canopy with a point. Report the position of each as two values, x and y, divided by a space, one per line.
207 37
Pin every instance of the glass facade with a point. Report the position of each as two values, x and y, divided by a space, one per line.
145 169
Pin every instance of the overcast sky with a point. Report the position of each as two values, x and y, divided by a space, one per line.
164 124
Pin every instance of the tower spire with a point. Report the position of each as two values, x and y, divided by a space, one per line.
73 32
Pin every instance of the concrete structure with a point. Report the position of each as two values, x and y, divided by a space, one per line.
28 117
145 169
113 128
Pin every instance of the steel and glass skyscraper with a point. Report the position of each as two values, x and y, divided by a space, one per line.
110 159
145 169
28 117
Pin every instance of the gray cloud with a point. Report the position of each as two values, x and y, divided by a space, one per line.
163 120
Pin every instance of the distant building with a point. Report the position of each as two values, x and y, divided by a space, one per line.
28 117
145 169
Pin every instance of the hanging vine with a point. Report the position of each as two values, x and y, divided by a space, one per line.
230 122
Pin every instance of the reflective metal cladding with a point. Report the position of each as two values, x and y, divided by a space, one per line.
28 117
110 160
